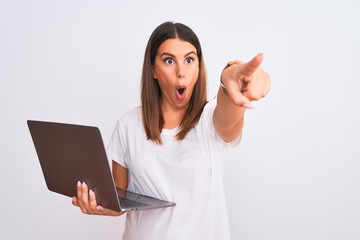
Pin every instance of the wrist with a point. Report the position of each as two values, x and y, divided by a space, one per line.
222 86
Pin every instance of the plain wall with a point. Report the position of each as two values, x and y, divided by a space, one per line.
296 174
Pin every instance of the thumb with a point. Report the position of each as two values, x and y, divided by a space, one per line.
237 97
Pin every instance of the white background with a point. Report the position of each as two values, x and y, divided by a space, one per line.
296 174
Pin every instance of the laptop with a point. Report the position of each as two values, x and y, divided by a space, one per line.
70 153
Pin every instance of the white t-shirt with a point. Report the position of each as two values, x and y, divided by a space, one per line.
187 172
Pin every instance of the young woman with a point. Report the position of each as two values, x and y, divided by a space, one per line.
172 146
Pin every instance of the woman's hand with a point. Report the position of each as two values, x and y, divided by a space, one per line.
86 201
245 82
242 83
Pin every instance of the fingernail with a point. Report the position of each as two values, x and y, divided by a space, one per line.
78 183
91 193
248 106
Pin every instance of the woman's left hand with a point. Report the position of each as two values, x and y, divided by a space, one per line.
246 82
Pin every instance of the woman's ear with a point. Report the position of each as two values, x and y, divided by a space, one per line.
154 74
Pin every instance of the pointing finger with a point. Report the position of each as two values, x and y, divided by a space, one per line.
251 66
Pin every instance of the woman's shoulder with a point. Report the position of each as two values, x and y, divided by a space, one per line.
131 116
209 108
205 122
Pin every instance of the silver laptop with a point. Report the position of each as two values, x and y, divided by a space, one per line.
70 153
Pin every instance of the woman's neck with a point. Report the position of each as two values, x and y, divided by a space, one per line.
172 116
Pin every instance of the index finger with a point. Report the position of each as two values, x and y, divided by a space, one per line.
251 66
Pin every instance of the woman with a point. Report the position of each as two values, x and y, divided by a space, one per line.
172 146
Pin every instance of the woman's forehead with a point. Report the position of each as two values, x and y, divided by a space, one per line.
176 46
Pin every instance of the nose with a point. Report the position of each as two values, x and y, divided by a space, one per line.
180 71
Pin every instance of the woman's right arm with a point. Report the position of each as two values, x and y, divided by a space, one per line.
120 175
86 199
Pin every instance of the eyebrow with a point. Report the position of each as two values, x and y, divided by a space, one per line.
172 55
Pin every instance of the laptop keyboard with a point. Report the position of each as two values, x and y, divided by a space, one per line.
130 203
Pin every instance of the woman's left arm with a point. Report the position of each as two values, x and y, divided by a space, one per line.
241 83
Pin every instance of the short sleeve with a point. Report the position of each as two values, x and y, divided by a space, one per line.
208 115
116 150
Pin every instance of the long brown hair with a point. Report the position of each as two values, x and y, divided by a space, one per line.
153 120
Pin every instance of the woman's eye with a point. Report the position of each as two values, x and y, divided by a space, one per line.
169 61
189 60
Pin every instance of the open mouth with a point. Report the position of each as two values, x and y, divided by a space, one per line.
180 90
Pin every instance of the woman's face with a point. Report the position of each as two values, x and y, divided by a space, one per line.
176 68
